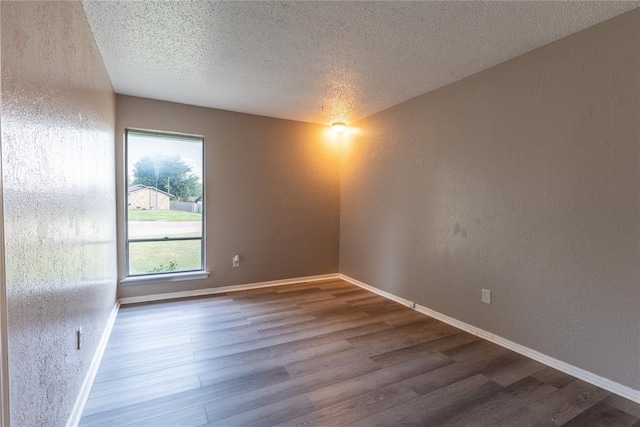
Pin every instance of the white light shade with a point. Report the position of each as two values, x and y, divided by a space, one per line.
338 127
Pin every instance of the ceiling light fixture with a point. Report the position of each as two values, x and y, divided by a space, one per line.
338 127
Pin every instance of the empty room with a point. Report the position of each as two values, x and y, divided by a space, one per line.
261 213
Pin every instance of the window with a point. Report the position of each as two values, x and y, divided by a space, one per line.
165 204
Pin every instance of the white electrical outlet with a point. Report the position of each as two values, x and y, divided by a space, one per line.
236 261
486 296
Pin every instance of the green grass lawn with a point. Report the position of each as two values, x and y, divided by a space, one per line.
163 215
153 257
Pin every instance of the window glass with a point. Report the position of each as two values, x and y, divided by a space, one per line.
164 203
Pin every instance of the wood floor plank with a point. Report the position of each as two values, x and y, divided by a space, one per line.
322 363
290 320
110 372
225 373
436 332
421 410
389 342
321 305
333 284
311 323
269 415
348 294
147 379
326 338
487 410
204 340
261 397
453 373
368 298
191 417
386 376
177 401
397 318
553 377
283 289
211 367
624 405
558 407
320 334
603 415
299 297
133 396
220 325
513 371
339 358
471 349
150 357
144 347
277 316
375 337
324 353
419 350
352 410
134 333
235 358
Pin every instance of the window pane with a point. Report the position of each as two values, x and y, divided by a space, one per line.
164 199
164 256
164 223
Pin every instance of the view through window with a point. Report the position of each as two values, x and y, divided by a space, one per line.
165 203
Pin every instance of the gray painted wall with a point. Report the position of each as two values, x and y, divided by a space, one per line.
272 193
523 179
58 119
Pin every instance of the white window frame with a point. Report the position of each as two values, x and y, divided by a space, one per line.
163 276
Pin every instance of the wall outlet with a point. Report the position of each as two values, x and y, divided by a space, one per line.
486 296
78 338
236 261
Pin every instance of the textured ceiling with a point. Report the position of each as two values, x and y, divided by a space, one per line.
319 61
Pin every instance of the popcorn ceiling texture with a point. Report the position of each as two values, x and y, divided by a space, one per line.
319 61
522 179
59 198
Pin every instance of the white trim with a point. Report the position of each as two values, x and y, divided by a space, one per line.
164 277
612 386
81 401
380 292
212 291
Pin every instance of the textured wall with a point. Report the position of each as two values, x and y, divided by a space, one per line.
58 120
272 193
523 179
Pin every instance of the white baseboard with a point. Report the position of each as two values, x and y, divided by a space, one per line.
612 386
213 291
380 292
81 401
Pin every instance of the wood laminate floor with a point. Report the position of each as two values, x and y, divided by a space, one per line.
329 354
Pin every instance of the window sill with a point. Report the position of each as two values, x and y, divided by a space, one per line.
165 278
